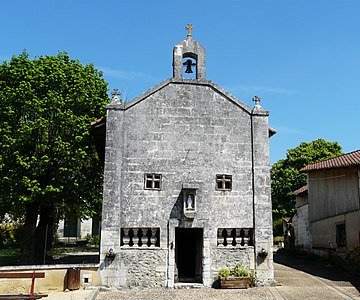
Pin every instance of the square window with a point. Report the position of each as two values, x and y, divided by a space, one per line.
152 181
223 182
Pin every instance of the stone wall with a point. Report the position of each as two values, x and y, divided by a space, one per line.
262 196
229 257
143 267
301 227
188 131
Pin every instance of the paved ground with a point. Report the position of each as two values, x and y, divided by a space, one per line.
296 280
300 279
73 295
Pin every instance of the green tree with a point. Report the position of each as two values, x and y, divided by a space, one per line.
48 163
286 177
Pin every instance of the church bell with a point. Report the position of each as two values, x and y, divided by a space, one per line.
188 65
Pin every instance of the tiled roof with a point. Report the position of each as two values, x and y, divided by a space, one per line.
302 190
351 159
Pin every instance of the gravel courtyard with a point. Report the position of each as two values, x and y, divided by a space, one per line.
296 279
188 294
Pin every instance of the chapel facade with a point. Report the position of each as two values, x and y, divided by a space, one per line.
187 182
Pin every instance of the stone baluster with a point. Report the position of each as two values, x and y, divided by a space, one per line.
126 238
238 237
220 238
229 238
152 237
131 236
246 238
136 237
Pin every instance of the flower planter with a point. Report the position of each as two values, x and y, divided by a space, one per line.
235 282
110 254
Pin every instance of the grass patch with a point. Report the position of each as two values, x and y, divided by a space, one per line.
9 257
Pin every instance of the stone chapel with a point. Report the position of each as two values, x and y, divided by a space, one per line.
187 182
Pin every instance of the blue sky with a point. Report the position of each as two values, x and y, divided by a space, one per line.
301 57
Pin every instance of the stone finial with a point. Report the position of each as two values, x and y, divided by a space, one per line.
257 100
115 96
257 108
189 27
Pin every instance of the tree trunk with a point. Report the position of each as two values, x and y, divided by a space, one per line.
44 230
27 245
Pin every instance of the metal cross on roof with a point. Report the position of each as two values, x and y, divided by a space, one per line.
189 27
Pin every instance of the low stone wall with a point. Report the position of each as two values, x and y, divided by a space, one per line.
55 278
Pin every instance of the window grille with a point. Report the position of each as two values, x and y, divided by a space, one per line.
152 181
223 182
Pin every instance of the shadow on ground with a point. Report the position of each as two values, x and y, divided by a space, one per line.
74 255
317 267
77 259
59 255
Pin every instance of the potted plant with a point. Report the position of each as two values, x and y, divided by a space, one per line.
110 254
236 278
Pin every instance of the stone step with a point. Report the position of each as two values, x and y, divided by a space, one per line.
188 285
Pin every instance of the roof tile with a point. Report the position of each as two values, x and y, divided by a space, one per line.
351 159
301 191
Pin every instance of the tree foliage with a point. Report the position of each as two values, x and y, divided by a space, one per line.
286 177
48 163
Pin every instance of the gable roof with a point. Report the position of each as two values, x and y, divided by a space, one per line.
301 191
209 83
127 105
351 159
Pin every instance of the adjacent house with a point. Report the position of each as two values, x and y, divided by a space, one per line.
187 182
300 221
333 204
74 228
